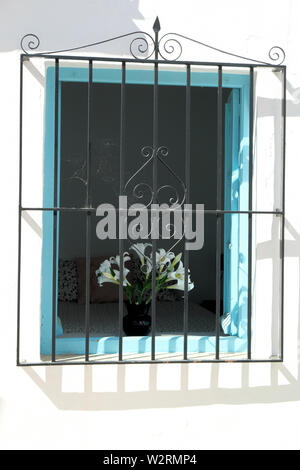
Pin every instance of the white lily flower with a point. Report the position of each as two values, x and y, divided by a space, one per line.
164 258
116 259
139 249
104 267
117 277
106 277
168 268
105 274
179 276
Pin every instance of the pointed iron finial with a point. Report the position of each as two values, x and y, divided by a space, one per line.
156 26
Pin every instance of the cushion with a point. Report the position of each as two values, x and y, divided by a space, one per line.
107 293
67 281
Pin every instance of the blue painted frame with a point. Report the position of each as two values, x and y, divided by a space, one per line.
236 198
109 345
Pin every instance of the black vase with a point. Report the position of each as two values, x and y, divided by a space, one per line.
137 322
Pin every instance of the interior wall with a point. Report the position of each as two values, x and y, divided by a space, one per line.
105 161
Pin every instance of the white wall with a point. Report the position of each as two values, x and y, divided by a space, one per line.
158 406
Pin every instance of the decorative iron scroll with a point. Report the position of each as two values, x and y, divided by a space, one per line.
144 193
140 189
144 46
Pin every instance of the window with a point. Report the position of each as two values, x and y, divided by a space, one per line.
85 124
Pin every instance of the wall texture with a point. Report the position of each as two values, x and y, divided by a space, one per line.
164 406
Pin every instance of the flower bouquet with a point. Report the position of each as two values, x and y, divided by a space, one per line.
137 282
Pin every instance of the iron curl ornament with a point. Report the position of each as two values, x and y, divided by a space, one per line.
142 189
29 42
144 46
144 193
277 54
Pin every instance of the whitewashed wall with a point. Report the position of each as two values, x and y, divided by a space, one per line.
159 406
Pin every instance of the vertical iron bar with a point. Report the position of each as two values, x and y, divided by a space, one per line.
20 206
87 285
54 270
187 183
283 210
121 241
154 178
88 215
249 322
219 207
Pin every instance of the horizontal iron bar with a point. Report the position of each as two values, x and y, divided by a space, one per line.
188 361
150 61
93 209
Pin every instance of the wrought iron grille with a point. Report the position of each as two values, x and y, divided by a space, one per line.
154 51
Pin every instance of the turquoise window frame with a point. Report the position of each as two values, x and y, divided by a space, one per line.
236 343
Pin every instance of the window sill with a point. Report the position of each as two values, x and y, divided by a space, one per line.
142 344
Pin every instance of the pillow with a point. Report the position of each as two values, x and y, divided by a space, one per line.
107 293
67 281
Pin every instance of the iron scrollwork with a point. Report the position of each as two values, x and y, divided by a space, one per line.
144 46
167 48
29 42
139 190
277 55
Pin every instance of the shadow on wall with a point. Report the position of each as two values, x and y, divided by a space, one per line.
195 384
112 387
67 24
117 394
